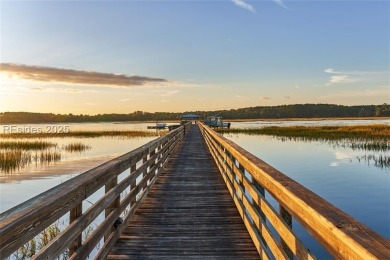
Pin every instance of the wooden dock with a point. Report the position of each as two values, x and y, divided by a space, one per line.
189 194
188 213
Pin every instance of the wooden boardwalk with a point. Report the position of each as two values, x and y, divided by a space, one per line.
188 214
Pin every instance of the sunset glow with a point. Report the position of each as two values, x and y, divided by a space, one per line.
194 55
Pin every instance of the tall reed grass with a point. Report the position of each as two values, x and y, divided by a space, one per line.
26 145
86 134
76 147
362 132
366 137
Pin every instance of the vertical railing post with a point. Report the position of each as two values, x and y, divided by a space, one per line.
144 160
287 218
152 165
75 213
261 190
115 204
133 185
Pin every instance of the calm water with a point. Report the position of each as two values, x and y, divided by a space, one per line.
357 187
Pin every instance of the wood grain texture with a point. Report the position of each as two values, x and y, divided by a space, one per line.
188 213
23 222
339 233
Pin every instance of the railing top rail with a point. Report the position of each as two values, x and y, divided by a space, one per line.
342 235
43 209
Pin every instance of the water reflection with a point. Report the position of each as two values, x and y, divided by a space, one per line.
357 187
19 186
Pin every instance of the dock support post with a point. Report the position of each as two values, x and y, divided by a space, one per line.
287 218
133 185
75 213
115 204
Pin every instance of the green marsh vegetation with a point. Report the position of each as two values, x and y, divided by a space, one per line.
16 154
26 145
87 134
31 248
76 147
370 138
17 150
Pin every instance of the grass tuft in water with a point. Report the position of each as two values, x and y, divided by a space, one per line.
85 134
26 145
76 147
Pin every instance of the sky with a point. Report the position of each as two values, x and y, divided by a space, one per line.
93 57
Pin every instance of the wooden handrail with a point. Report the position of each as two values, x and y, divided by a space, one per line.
22 223
246 176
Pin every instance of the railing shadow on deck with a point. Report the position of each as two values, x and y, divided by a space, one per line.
247 178
24 222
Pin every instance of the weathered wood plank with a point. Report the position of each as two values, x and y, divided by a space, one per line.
187 214
21 223
340 234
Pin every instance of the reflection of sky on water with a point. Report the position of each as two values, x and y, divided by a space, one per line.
122 126
260 124
358 188
34 179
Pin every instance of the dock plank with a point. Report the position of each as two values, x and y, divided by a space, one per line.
188 214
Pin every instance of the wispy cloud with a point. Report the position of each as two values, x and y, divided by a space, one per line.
265 98
244 5
287 97
345 77
68 76
58 90
356 72
341 79
280 3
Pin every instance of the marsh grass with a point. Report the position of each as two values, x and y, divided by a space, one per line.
381 161
87 134
366 137
49 156
362 132
11 160
15 159
28 250
76 147
14 155
26 145
375 138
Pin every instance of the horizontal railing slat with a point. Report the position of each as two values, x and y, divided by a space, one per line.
23 222
339 233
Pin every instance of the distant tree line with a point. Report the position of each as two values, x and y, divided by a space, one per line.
260 112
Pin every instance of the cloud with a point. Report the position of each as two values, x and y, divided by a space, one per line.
244 5
280 3
287 97
59 90
264 98
68 76
355 72
340 77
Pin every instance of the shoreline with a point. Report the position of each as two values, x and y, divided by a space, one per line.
308 119
225 119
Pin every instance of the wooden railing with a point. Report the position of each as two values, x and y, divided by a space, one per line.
247 178
24 222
